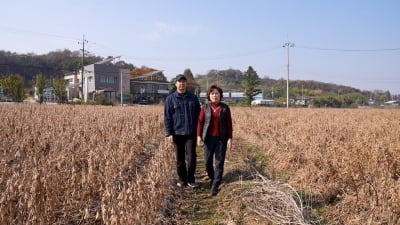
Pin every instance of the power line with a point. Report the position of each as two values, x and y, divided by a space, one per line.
202 58
350 50
18 30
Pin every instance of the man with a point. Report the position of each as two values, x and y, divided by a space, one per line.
181 113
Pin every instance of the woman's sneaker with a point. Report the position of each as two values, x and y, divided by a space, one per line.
214 190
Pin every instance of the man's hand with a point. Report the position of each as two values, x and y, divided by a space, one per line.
170 139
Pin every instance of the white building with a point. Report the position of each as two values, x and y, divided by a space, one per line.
98 78
73 85
262 102
231 96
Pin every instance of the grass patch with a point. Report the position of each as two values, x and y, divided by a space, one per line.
249 186
257 159
202 208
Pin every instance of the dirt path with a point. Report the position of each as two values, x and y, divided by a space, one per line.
246 196
197 206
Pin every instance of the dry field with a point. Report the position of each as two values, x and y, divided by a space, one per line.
111 165
82 165
345 162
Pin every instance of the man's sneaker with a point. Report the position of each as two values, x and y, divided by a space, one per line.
181 184
193 185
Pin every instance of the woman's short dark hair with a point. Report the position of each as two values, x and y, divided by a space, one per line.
214 87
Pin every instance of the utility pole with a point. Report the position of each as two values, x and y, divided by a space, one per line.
287 45
83 58
122 100
272 93
87 89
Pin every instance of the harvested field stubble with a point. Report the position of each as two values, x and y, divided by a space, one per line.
345 159
65 164
82 165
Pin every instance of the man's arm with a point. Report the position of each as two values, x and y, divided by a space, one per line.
197 105
168 118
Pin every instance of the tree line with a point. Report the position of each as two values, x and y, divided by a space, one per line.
19 72
52 64
323 94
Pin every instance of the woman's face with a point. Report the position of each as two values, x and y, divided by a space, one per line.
215 97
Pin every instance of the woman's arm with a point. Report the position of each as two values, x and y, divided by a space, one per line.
200 125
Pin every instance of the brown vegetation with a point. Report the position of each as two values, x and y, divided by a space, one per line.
82 165
345 162
111 165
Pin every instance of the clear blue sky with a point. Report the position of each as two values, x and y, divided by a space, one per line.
348 42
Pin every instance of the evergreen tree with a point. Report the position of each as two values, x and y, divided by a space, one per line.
250 84
172 87
14 86
60 85
188 74
40 81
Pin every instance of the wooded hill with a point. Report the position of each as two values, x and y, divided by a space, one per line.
52 64
230 80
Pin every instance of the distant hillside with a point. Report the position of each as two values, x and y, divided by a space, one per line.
227 79
52 64
306 87
230 80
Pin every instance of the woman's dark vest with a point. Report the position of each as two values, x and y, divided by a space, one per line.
223 125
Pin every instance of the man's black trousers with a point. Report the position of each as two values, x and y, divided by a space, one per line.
185 150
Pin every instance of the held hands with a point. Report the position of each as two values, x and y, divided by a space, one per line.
228 147
199 141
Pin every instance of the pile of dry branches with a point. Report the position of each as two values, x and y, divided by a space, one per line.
272 200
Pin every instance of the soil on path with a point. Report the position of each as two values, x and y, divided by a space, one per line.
197 206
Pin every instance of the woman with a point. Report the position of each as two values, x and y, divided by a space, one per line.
214 132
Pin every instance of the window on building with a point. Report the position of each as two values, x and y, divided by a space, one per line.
112 80
108 79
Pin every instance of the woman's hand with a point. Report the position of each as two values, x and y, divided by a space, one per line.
200 141
229 145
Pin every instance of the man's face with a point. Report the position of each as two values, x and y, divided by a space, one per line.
181 85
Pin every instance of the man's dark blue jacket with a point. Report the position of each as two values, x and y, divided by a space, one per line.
181 113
